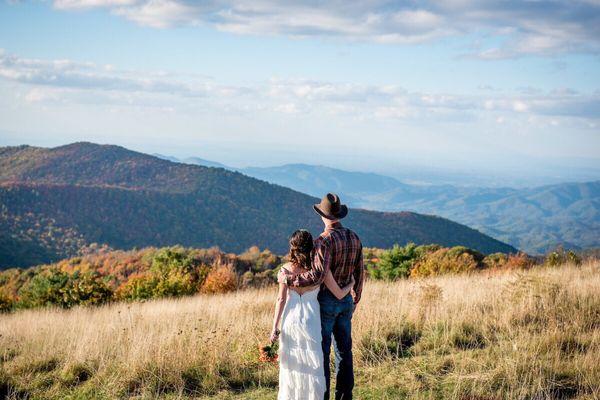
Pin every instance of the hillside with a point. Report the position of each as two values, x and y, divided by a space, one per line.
55 200
533 219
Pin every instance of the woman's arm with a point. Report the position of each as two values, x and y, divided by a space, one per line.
279 305
322 259
334 288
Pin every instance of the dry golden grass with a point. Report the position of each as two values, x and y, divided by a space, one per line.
523 335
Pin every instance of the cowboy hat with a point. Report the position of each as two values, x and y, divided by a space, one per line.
330 207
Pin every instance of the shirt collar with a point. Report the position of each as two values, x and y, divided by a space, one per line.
333 226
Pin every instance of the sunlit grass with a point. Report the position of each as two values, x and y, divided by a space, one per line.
532 334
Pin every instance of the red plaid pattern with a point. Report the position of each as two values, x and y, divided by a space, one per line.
340 250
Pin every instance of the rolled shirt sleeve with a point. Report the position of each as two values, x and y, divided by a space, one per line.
359 277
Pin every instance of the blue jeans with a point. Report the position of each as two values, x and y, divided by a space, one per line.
336 320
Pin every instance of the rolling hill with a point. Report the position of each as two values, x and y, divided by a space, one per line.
532 219
53 201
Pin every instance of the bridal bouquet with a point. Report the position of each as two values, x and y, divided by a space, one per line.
268 353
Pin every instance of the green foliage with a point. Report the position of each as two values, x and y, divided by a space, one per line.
6 303
395 263
55 287
173 272
149 273
143 274
44 289
495 260
141 287
85 289
457 259
560 257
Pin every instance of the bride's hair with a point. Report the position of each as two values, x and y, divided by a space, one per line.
301 246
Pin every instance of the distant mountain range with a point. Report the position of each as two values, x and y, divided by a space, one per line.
532 219
53 201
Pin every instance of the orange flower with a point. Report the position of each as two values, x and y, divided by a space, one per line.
268 353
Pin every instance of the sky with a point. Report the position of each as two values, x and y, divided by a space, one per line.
504 88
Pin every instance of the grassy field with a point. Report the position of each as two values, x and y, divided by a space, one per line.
523 335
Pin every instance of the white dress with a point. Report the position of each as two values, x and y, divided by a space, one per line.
301 373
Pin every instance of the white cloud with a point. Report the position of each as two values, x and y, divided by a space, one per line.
66 81
38 95
159 13
520 106
81 4
542 27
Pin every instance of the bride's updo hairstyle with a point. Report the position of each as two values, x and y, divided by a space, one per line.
301 246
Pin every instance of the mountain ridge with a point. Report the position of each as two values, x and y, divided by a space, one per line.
535 219
109 194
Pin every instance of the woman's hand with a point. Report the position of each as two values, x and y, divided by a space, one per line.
349 286
274 335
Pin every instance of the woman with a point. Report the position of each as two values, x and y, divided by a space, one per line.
301 373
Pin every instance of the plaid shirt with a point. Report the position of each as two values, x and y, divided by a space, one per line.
337 249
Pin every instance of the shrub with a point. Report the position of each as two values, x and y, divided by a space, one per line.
395 263
6 303
166 260
257 280
453 260
259 260
44 289
172 273
560 257
54 287
85 289
221 279
176 282
495 260
519 261
371 257
139 287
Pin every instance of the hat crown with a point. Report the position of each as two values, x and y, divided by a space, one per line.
331 203
331 207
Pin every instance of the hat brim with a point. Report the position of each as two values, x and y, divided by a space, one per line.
343 212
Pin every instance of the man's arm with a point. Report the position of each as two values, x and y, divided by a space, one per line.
321 264
359 278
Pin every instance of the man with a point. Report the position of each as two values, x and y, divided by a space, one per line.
337 249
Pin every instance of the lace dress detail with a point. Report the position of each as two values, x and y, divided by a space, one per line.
301 373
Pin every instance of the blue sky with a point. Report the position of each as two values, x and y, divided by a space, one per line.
503 87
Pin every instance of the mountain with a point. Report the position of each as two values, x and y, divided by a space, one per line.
53 201
165 157
194 160
532 219
206 163
317 180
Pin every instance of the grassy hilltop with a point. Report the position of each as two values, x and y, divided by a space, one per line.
530 334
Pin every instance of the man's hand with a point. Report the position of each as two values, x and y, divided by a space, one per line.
354 301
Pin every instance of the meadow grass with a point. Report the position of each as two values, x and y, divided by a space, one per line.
531 334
